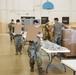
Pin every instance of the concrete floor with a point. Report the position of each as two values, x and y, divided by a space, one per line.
11 64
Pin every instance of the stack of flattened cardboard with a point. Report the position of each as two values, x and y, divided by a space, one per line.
69 41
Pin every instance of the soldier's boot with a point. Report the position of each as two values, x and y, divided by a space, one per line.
32 65
20 53
10 39
16 53
41 71
32 69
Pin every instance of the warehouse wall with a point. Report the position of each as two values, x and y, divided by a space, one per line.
17 8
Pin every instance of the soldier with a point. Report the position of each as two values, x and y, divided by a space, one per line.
23 25
18 36
11 29
47 31
34 52
57 30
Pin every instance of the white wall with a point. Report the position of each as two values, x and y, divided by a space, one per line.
16 8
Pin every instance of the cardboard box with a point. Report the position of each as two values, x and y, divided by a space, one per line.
67 44
73 49
66 33
32 32
71 46
17 29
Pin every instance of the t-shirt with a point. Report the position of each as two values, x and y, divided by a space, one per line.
58 28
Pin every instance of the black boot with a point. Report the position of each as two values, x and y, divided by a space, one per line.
16 53
32 69
41 71
10 39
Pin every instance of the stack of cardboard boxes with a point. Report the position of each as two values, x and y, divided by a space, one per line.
69 41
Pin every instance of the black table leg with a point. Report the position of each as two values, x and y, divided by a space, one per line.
52 57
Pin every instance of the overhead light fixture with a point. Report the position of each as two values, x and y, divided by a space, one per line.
48 6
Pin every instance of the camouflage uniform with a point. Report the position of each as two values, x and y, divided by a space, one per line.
18 43
34 54
11 30
47 34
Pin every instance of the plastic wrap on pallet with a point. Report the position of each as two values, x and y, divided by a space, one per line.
66 33
73 36
69 41
69 36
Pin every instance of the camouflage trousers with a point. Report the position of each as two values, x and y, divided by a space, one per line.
18 40
11 35
57 39
34 54
47 35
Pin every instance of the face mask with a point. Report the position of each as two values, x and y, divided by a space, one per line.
37 25
12 22
18 23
